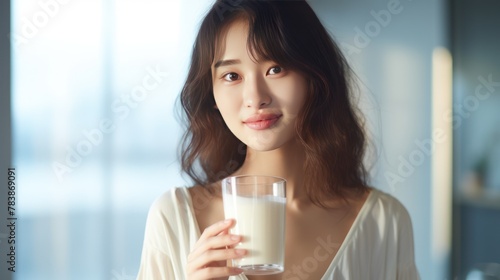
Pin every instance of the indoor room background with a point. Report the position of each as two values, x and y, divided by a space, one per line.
89 121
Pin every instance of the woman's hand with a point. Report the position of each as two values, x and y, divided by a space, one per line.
208 260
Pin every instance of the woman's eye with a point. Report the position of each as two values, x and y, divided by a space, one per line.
275 70
230 77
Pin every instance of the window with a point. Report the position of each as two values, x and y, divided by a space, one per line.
95 133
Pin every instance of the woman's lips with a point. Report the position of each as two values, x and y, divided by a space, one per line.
262 121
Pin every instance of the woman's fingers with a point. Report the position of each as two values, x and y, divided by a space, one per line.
215 243
217 229
211 256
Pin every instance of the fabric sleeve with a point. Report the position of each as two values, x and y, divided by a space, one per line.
407 269
160 254
155 265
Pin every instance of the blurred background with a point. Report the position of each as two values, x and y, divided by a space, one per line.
88 106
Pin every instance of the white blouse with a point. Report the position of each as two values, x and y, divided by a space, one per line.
379 244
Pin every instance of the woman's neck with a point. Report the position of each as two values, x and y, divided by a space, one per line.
286 162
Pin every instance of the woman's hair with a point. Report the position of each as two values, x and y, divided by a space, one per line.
290 34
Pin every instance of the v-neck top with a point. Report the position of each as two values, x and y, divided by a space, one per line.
379 244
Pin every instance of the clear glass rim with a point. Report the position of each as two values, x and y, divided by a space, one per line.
237 177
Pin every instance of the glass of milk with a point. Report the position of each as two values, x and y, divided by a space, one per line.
257 203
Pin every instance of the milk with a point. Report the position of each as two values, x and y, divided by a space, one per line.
261 222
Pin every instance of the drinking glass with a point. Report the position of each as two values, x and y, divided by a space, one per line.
257 203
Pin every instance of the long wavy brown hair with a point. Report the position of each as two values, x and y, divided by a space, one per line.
328 126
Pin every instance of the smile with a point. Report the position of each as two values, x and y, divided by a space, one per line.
262 121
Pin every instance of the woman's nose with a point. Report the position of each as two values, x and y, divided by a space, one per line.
256 94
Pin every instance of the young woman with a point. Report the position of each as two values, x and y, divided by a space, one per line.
268 93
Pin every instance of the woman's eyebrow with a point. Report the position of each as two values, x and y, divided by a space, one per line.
227 62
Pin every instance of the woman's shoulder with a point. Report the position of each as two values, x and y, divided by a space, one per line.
170 222
174 203
385 217
171 198
386 205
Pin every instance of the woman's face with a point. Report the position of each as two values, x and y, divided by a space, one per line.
258 101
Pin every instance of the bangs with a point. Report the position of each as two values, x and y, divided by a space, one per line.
266 40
